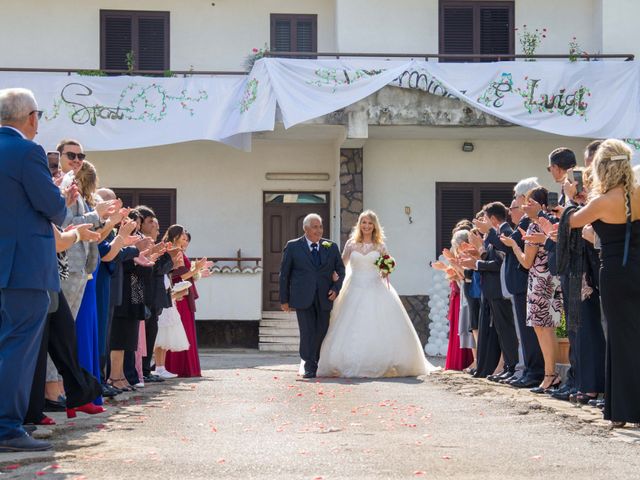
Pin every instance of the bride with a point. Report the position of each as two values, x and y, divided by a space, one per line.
370 334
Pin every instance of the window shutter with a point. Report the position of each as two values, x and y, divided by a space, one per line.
457 31
304 36
496 194
127 197
495 31
151 44
282 36
117 38
161 200
454 205
163 204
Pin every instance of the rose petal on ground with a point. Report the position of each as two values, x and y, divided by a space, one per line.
418 473
536 457
446 457
221 460
14 466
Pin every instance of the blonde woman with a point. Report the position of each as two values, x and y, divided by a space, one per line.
370 334
614 211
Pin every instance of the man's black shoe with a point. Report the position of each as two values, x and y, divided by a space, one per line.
561 395
309 375
109 392
526 383
24 443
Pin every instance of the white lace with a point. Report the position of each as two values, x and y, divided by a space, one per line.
361 248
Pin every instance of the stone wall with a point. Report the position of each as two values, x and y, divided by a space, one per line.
351 190
418 309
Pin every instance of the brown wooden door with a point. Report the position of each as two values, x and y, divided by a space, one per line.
282 221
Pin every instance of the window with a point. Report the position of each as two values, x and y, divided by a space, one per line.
161 200
144 34
457 201
294 33
476 27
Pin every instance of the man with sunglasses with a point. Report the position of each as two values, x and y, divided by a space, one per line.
28 262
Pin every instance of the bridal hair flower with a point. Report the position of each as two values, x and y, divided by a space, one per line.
326 244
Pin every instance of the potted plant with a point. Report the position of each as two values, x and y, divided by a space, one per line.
562 352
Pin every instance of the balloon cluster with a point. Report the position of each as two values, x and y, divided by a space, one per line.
438 290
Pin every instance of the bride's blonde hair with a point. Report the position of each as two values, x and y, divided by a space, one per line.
377 236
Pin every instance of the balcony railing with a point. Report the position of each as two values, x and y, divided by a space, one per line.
388 56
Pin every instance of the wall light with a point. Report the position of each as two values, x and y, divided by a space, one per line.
467 147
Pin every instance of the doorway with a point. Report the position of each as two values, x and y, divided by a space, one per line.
283 213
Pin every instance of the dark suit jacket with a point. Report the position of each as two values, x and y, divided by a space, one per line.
155 294
31 202
515 275
300 279
489 268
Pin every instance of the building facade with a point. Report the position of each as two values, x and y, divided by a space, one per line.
397 152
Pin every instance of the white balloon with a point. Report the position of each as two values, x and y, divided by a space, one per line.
431 349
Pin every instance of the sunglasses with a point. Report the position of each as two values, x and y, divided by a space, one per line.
73 155
37 112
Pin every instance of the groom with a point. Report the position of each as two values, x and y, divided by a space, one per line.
306 285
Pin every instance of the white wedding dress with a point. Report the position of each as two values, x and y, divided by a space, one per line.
370 334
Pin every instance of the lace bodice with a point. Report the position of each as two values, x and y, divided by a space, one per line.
362 249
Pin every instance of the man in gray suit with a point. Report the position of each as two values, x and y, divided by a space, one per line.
307 285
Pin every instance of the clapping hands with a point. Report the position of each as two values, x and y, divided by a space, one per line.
85 232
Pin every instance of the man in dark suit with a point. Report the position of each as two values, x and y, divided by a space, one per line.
516 280
307 285
494 290
28 262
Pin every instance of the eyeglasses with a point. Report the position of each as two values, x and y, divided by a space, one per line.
38 112
72 156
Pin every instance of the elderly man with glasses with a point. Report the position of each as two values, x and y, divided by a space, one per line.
28 264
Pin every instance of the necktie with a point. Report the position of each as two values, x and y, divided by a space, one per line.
315 254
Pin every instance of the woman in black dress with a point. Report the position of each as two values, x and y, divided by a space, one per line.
614 212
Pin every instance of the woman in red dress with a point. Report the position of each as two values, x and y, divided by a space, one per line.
186 363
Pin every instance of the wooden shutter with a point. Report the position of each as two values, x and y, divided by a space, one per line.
281 36
294 33
146 34
117 38
457 201
457 33
453 203
476 27
495 30
152 44
305 36
161 200
163 203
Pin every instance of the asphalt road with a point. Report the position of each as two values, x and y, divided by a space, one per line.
251 417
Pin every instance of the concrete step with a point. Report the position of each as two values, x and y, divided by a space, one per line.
279 315
278 332
276 347
271 322
285 339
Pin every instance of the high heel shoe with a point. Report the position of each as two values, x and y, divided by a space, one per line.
46 421
88 408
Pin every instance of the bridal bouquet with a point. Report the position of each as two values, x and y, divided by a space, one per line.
386 264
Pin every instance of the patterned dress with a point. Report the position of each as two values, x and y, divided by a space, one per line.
544 296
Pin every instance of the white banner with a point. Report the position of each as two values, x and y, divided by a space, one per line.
114 113
581 99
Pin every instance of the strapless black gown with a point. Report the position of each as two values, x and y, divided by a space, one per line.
620 295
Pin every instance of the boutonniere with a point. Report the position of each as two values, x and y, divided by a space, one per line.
326 244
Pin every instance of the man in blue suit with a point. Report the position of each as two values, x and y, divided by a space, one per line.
306 284
28 263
